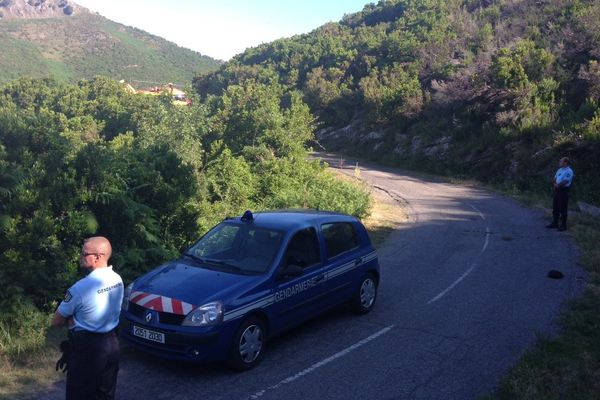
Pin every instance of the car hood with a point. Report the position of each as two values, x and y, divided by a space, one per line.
192 284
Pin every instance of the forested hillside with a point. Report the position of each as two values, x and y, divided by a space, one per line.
493 89
84 45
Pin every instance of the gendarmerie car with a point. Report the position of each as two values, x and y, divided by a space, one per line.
248 279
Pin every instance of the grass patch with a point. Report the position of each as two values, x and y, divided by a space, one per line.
28 353
385 217
59 70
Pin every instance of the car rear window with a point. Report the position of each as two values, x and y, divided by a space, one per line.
339 237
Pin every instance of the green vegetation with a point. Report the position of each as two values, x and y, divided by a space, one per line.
25 52
86 45
93 159
496 90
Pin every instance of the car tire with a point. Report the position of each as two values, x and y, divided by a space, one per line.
364 299
249 344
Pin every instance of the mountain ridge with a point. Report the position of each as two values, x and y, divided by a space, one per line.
38 9
38 41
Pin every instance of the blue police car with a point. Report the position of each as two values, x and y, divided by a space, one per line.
250 278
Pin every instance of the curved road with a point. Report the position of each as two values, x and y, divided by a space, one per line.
464 293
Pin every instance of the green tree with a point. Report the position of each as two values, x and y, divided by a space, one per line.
392 93
515 67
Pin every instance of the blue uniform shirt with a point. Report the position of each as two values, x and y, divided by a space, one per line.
94 302
564 174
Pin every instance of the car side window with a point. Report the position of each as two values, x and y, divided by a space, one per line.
303 249
339 237
260 248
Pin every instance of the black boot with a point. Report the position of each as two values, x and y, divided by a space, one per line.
563 222
562 227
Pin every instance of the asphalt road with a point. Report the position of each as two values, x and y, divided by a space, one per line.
463 294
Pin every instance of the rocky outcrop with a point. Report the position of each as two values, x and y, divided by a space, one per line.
337 138
417 146
588 209
37 9
373 141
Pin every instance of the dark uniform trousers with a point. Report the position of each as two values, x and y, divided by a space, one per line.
560 205
93 366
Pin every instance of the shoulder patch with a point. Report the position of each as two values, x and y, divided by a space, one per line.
68 297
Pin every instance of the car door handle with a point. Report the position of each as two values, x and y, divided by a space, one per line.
358 261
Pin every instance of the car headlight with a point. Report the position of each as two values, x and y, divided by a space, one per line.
206 315
126 296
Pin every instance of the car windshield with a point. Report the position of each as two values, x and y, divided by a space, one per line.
239 248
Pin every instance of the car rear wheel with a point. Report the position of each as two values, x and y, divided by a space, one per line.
248 344
364 299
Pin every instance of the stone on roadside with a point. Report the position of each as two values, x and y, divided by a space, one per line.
588 209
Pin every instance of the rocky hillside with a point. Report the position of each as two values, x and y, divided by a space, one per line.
29 9
58 38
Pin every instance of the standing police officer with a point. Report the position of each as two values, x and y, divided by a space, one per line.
560 187
91 310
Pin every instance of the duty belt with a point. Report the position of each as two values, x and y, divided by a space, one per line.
87 334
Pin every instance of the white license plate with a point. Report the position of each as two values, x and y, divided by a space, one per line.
148 334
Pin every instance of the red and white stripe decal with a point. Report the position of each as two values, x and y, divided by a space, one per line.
161 303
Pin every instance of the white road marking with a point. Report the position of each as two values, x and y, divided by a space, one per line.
463 276
322 363
477 210
456 282
487 239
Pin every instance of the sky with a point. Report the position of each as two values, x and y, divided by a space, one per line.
224 28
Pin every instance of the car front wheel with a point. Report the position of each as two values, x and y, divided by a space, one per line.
248 344
364 299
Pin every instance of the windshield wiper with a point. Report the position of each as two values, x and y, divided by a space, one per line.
211 262
206 262
194 257
222 264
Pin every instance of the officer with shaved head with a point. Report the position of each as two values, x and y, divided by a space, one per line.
91 311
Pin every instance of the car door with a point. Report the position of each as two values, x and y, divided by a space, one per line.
343 257
300 284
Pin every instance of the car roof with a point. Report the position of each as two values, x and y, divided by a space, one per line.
292 219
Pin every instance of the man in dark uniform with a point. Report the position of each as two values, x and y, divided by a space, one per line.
91 310
560 189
